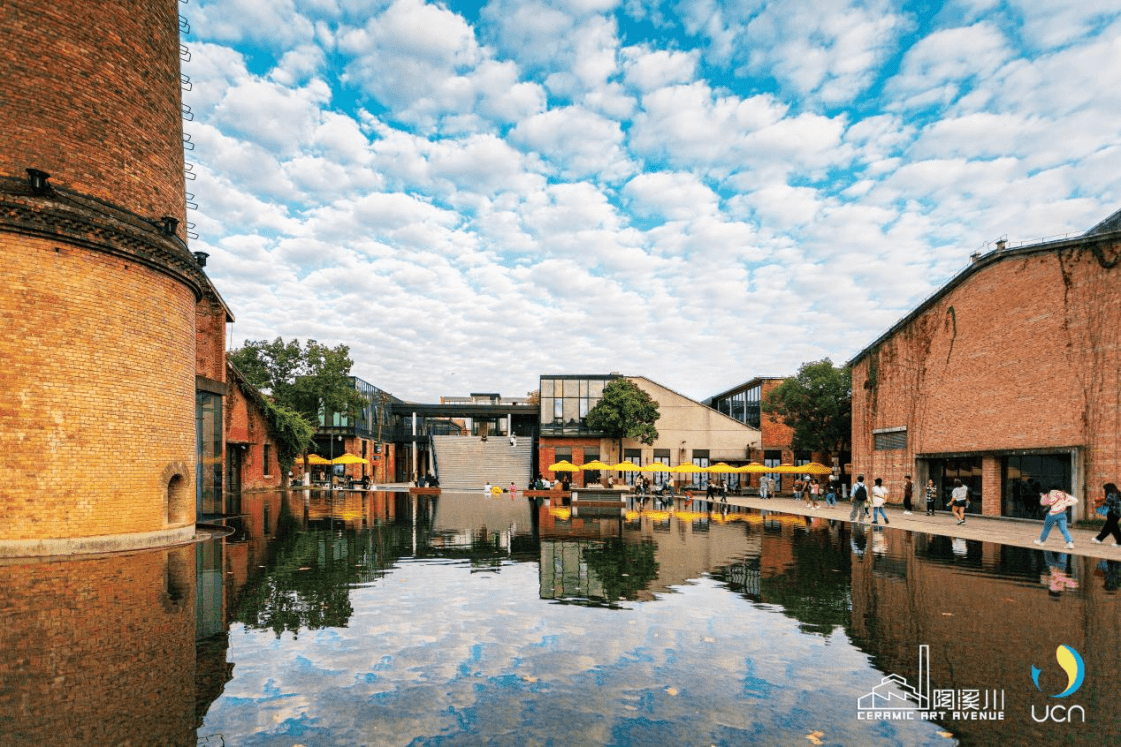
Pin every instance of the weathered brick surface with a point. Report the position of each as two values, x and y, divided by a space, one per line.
98 391
210 339
98 307
92 95
247 430
1021 354
99 651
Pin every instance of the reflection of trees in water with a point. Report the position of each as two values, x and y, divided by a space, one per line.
623 568
814 589
306 585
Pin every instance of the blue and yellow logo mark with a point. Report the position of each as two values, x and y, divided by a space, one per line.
1071 663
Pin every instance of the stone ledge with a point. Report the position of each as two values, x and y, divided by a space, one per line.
106 543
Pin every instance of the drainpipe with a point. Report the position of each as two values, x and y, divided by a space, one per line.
416 467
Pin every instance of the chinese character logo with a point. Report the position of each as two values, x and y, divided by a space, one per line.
1071 663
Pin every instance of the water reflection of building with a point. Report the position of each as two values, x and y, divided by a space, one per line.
686 545
100 651
987 624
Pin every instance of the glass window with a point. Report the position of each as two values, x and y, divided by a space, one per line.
546 409
571 410
595 388
571 388
892 440
558 408
1025 476
208 480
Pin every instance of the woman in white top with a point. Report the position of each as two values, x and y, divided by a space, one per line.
879 498
960 498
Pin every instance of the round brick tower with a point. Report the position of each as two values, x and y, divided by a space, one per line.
97 287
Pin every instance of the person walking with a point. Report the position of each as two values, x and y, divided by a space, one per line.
798 485
879 498
859 496
812 492
1059 501
908 489
931 495
831 492
1112 503
959 500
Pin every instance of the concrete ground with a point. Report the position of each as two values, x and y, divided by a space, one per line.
1019 532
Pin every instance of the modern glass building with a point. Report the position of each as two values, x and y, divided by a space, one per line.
567 400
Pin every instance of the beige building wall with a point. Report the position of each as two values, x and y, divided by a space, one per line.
684 426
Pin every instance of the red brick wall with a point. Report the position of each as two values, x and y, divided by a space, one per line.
92 96
547 454
1022 354
247 430
98 386
210 339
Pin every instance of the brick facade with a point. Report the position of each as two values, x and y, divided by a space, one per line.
97 390
93 97
247 432
1019 354
100 651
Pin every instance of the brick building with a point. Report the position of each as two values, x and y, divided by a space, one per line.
745 404
251 456
688 432
98 387
1006 378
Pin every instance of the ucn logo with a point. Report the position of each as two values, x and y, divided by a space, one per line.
1071 663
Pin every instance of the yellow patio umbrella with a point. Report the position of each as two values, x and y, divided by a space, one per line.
596 464
754 468
814 468
627 466
686 469
655 467
563 466
316 459
721 468
349 459
786 469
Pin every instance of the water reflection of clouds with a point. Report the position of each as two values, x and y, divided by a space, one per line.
434 651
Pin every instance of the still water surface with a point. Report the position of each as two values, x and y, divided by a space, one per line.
385 619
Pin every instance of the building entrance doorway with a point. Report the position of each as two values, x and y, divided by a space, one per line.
966 469
1025 476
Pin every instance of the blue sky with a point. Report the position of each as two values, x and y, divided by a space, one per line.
473 194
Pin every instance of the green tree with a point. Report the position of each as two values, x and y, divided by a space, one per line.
817 404
625 411
301 381
304 378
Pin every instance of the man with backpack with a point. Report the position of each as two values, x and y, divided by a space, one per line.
859 496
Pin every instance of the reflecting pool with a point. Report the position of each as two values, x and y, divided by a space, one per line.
389 619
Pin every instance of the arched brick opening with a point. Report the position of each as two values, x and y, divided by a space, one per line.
178 499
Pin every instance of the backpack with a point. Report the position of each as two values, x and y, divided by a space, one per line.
860 494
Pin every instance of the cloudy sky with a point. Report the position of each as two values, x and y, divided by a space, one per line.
470 195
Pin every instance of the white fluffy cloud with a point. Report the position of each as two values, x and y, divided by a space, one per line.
441 186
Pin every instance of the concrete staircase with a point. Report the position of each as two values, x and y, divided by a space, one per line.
468 463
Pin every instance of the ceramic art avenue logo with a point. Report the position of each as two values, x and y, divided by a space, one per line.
895 699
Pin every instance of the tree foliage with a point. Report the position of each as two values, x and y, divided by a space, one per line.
302 378
817 404
291 433
625 411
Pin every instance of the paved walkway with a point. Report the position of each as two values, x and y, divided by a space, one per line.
1005 531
